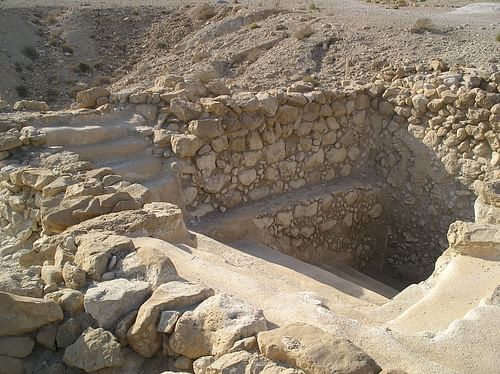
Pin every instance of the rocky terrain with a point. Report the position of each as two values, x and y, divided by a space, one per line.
217 188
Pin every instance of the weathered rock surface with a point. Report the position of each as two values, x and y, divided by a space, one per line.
95 349
143 337
88 98
20 314
71 301
314 351
16 346
95 250
147 264
9 365
160 220
245 362
108 301
214 326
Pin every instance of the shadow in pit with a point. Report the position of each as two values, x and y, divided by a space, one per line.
425 195
291 264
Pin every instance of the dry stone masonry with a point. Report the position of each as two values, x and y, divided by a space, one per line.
366 175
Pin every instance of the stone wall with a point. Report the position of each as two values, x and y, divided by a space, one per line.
341 225
427 134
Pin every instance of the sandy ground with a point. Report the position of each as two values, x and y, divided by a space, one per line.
139 40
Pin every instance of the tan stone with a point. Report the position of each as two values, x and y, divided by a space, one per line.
20 314
314 351
214 326
143 336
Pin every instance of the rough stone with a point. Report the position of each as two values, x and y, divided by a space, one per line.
20 314
108 301
314 351
16 346
185 145
245 362
95 349
71 301
88 98
67 333
143 336
95 250
147 264
214 326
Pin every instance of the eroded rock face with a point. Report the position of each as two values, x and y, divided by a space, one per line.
245 362
314 351
20 314
108 301
95 349
214 326
149 265
143 336
95 250
88 98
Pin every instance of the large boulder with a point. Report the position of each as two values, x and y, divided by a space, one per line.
37 106
147 264
314 351
88 98
21 314
9 365
245 362
108 301
95 349
16 346
77 207
159 220
9 141
214 326
185 145
71 301
143 336
95 250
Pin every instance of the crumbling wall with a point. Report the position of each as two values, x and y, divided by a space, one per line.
337 225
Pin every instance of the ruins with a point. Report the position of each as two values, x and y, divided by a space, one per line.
199 215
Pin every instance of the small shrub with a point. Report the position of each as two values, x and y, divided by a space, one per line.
98 65
18 67
204 12
303 32
67 49
423 25
81 67
30 52
498 37
253 26
161 45
53 40
312 6
100 81
51 20
22 90
51 92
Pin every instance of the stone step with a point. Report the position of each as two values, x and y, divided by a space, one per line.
85 135
140 169
121 149
165 187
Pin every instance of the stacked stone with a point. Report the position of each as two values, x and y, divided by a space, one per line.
348 221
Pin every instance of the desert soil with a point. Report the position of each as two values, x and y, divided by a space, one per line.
51 51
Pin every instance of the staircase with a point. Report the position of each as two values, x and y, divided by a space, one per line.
114 142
